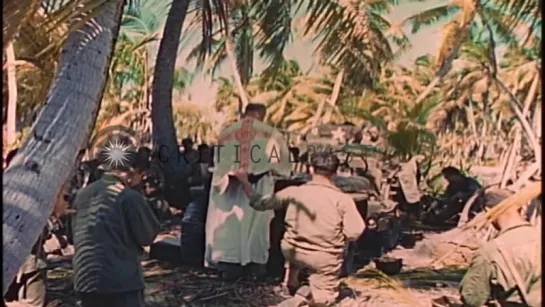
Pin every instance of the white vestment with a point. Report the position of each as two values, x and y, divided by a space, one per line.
236 233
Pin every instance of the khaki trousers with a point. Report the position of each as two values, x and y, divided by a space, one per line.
324 272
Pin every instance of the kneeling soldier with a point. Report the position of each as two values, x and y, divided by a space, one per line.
320 221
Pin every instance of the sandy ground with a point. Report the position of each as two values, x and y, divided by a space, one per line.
169 285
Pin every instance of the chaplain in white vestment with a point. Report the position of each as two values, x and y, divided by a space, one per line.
236 234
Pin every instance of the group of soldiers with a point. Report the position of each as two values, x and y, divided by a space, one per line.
377 167
320 222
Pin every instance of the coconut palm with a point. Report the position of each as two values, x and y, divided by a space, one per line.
503 16
12 96
46 160
355 37
254 26
127 96
35 68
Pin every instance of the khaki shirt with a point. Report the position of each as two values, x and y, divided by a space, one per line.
490 277
319 216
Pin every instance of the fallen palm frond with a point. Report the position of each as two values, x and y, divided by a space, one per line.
481 224
377 278
518 200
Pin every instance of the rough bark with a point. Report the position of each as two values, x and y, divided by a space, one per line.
163 132
243 98
47 158
12 95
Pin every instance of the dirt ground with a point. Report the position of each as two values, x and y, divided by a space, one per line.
179 286
169 285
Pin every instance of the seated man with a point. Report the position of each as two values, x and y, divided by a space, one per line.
320 221
460 188
506 269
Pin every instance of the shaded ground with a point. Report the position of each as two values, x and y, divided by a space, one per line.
179 286
169 285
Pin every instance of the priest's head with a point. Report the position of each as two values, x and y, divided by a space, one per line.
324 164
255 110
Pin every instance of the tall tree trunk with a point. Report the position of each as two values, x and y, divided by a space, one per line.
48 156
315 121
334 97
511 164
164 133
242 97
522 118
536 122
12 96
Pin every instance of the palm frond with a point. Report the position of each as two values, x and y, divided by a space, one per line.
274 30
431 16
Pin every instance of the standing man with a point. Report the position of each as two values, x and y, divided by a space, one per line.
320 221
237 235
374 165
111 225
507 269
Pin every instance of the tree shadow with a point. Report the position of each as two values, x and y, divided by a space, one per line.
172 285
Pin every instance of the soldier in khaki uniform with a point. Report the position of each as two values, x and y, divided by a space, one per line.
374 165
320 221
505 271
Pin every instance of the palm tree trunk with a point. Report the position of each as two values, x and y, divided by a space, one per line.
471 118
47 157
12 96
511 164
514 103
334 97
536 122
243 98
163 131
315 121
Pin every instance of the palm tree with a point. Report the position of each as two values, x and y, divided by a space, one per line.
46 160
354 37
254 26
127 97
503 16
163 130
11 122
227 100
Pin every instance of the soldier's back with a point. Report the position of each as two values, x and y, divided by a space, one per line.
517 251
